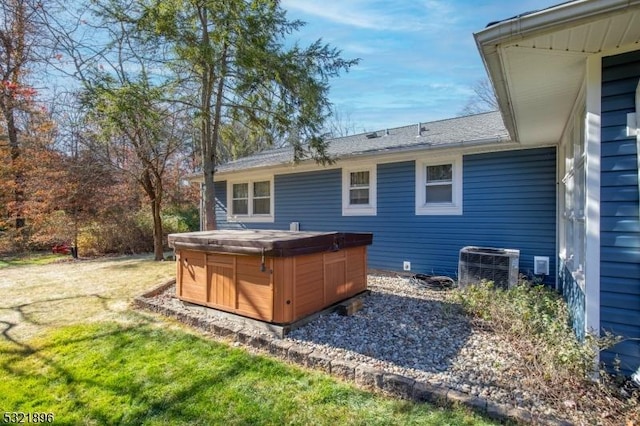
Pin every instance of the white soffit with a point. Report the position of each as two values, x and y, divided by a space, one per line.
537 61
543 86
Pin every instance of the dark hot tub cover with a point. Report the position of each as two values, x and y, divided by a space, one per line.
268 242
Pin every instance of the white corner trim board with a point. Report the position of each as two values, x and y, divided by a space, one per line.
637 128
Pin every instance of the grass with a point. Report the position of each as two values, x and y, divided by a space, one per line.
72 346
109 373
31 259
35 299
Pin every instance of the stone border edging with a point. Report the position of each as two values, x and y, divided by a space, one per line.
362 375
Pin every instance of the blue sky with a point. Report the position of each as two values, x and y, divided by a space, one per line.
419 60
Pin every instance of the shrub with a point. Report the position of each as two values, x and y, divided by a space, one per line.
188 216
121 236
536 314
127 233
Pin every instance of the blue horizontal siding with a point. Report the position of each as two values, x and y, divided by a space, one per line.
618 102
617 133
221 208
624 353
619 179
508 201
625 146
620 218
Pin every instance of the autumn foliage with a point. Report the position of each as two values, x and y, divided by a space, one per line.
72 196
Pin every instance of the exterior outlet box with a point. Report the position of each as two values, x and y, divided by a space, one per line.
294 226
406 265
541 265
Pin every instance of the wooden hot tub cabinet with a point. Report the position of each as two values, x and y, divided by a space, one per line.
274 276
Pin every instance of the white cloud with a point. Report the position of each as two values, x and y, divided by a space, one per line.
405 16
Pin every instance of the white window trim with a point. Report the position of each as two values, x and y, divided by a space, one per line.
250 218
370 209
453 208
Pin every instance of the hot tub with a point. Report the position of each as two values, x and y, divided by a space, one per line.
274 276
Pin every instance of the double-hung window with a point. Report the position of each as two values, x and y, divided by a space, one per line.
359 191
439 186
250 201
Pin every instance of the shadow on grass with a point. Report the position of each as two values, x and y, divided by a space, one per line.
113 374
22 311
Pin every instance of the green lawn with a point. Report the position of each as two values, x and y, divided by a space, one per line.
32 259
128 367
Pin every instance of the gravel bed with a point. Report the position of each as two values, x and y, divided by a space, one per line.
419 333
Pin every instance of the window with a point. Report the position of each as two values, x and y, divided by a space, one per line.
574 184
262 197
359 191
359 188
251 201
439 186
240 198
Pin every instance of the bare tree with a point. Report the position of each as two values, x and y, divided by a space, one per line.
18 35
340 124
135 129
482 100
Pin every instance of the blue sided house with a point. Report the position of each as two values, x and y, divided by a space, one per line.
553 174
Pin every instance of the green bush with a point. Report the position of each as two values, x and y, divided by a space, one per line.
188 216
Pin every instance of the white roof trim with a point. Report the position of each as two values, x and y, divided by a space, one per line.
508 46
379 157
552 19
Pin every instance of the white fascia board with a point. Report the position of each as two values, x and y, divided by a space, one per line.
492 58
493 40
552 19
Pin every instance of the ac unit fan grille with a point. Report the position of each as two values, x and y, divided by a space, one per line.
496 265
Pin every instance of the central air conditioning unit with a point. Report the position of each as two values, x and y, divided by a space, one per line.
489 264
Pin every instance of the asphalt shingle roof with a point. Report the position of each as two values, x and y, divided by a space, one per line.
487 127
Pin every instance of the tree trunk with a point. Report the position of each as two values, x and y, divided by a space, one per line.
154 192
209 194
158 246
18 192
210 190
